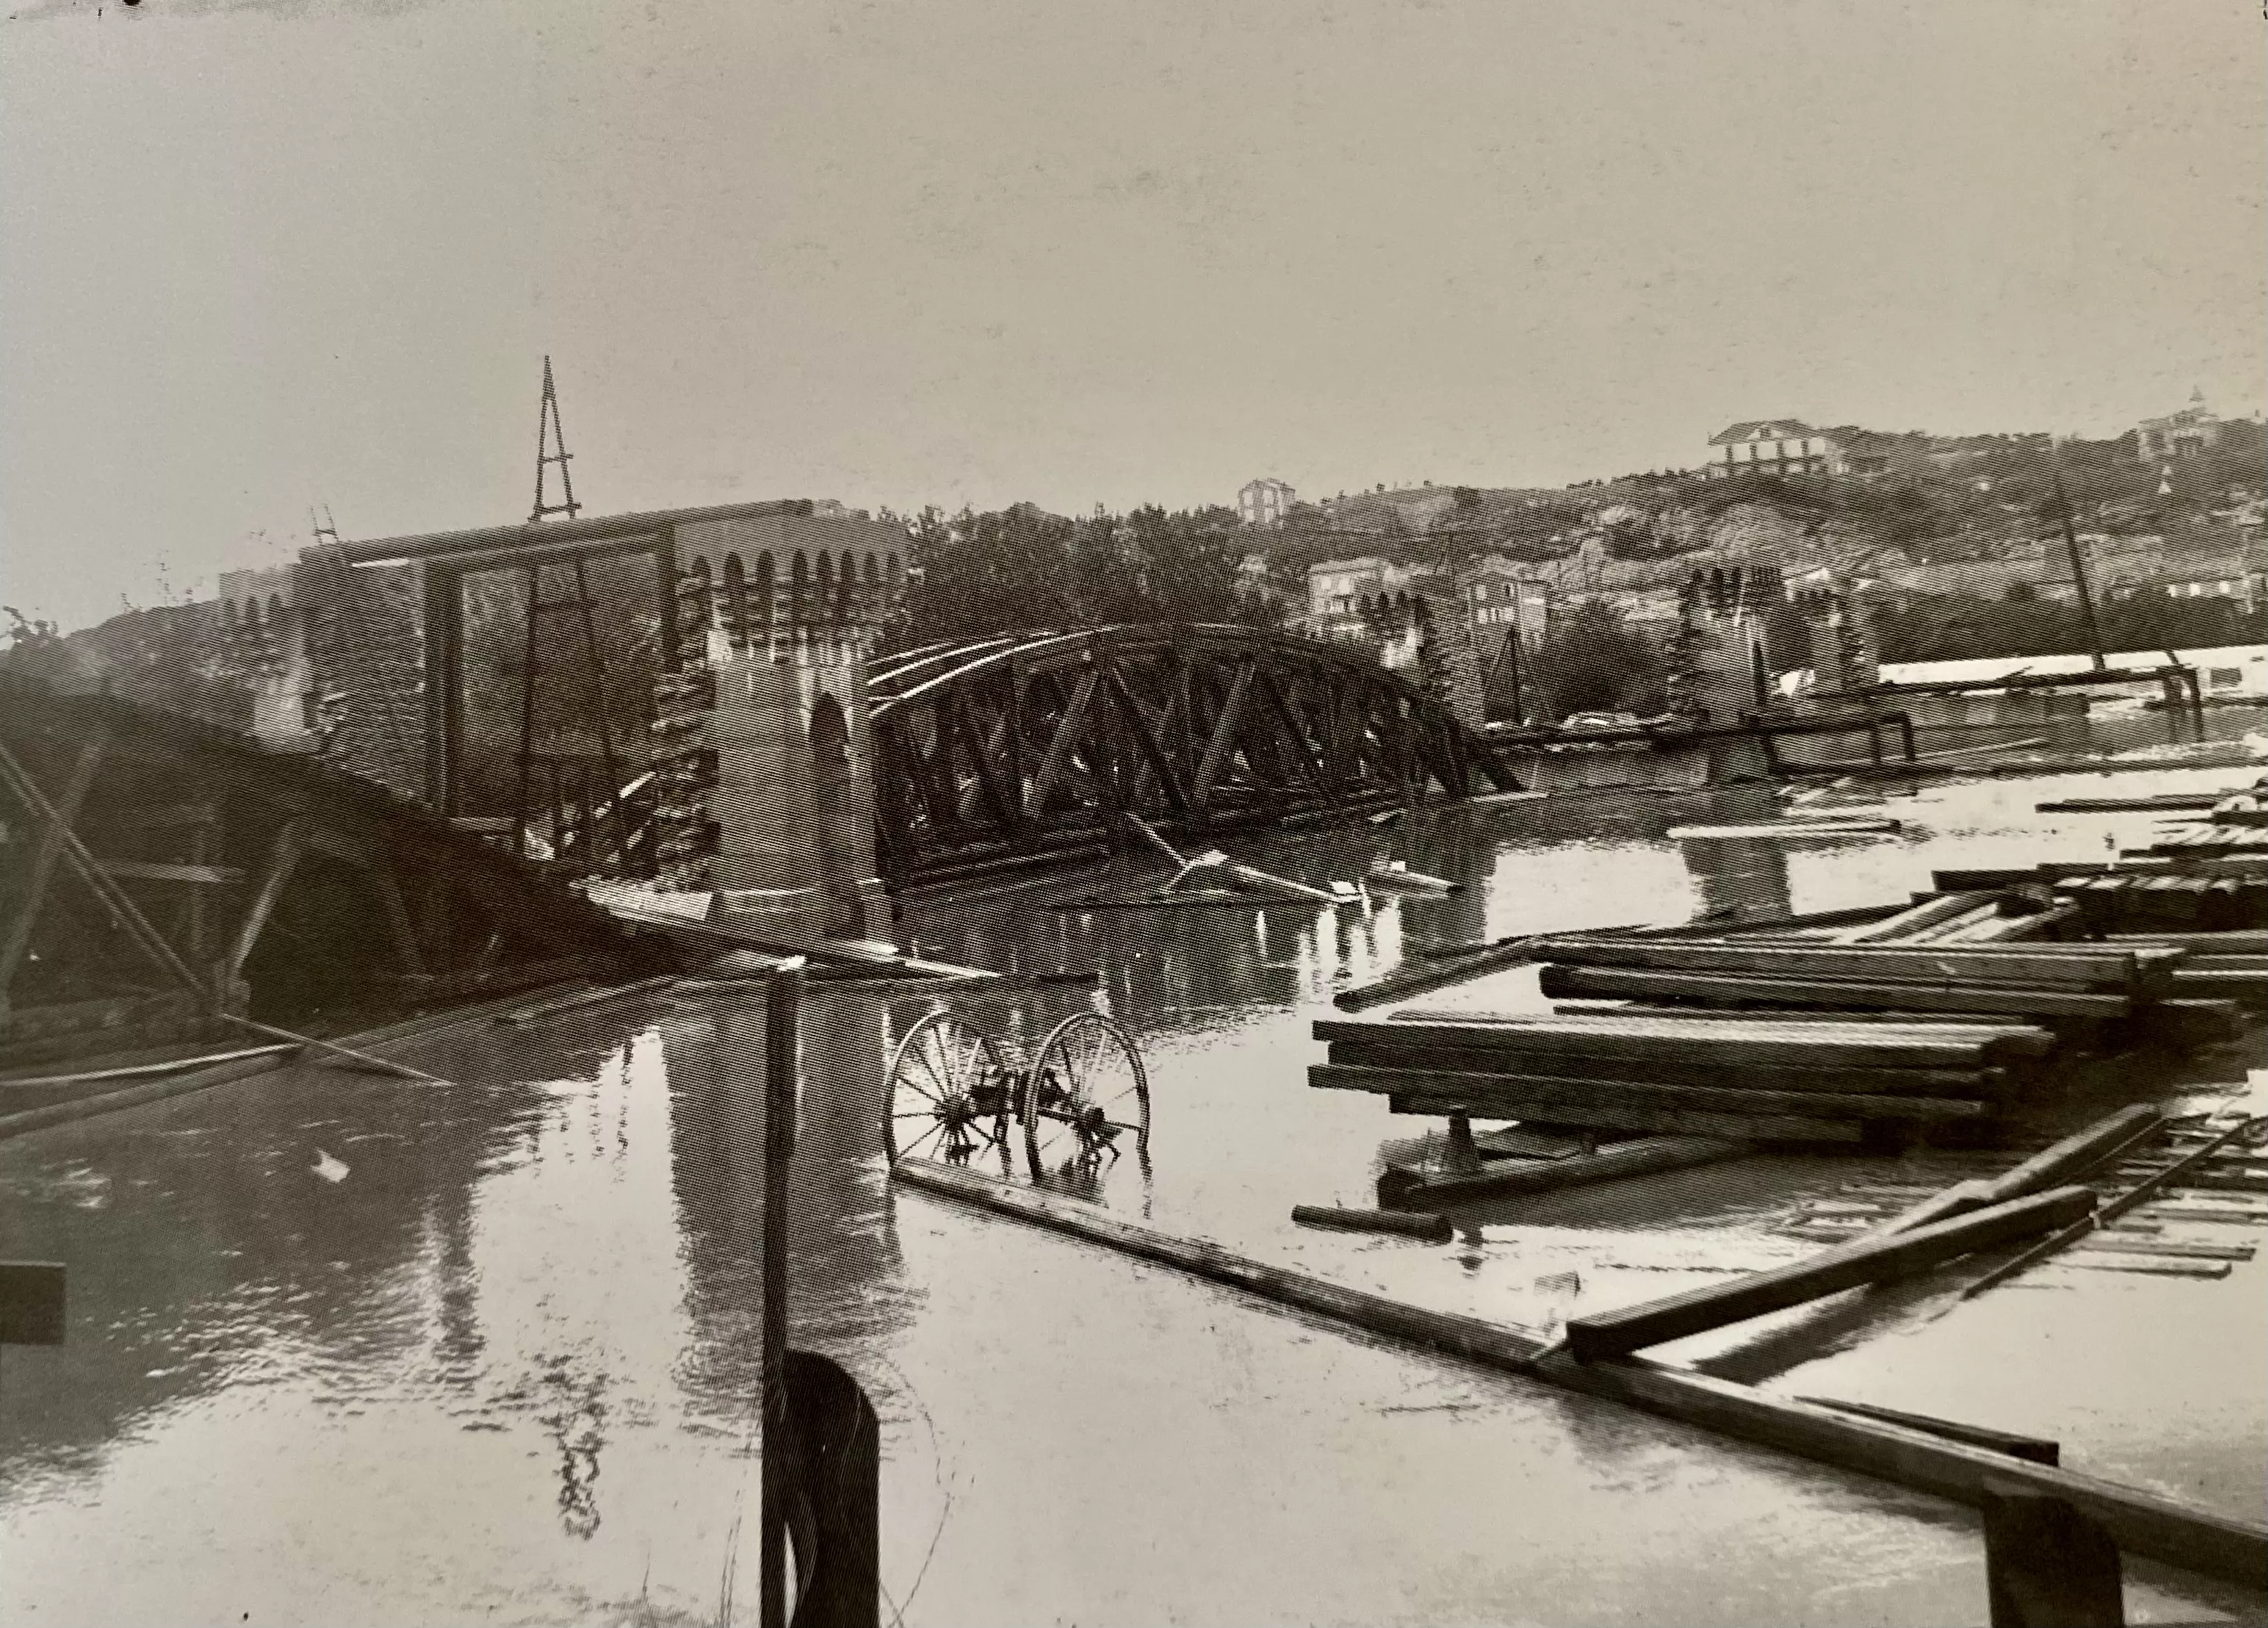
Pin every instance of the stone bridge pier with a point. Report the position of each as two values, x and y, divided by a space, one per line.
767 749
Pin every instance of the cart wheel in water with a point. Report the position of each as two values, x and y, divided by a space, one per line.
948 1095
1086 1096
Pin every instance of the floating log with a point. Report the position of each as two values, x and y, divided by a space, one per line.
1537 1093
2162 802
1631 1118
1848 1266
1506 1350
581 998
1399 875
1793 830
1405 981
1829 993
2034 1449
1400 1189
1927 913
2142 1523
1410 1224
1704 1036
172 1065
2066 1161
2171 1175
2009 928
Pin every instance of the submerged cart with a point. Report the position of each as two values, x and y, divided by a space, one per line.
951 1097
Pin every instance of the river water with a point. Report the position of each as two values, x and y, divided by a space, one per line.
501 1366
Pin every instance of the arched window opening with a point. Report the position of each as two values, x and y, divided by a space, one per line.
736 600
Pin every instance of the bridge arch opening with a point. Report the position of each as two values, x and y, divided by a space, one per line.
833 809
799 588
736 600
702 595
761 610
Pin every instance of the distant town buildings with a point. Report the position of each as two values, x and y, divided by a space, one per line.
1507 598
2193 429
1773 446
1265 502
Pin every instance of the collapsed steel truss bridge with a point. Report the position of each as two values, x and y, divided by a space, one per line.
1030 747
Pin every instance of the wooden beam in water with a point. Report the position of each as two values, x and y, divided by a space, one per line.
1848 1266
1700 1035
1401 1189
2142 1522
1535 1092
2062 1161
1795 1076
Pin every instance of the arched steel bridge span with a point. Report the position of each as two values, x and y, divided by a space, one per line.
1032 747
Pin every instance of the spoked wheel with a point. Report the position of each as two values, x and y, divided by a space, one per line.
1085 1098
948 1096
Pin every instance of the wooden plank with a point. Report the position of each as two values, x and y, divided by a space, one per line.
1406 981
2035 1449
1400 1189
2028 966
1913 918
2142 1523
1406 1223
1494 1345
1792 1077
1848 1266
1554 1090
2061 1162
1619 1116
1826 993
2006 1038
1690 1039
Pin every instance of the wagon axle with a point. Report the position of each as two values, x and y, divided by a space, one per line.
949 1094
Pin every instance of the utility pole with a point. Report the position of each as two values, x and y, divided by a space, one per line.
2078 563
551 449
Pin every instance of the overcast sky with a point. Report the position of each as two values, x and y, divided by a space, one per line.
254 256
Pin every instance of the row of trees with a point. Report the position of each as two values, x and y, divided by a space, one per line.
1022 567
1955 626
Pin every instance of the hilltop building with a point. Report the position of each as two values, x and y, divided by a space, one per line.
1265 502
1773 446
2192 430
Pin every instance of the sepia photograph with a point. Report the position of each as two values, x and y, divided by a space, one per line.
978 814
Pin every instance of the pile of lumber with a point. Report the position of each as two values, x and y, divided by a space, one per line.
1799 1080
2176 892
1967 978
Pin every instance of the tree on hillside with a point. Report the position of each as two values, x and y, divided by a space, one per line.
1023 568
1591 661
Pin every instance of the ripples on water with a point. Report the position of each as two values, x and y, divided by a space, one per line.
506 1364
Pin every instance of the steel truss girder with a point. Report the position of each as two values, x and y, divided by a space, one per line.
1027 746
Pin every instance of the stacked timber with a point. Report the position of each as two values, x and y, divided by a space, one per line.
1803 1079
2180 890
2025 981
